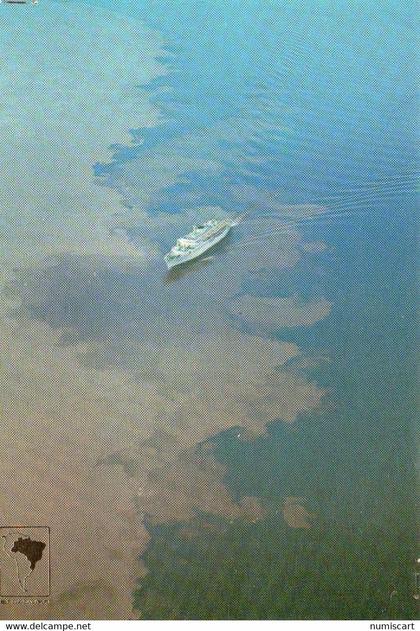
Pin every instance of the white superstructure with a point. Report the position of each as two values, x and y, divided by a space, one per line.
198 241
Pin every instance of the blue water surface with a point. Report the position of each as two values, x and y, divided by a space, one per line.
321 97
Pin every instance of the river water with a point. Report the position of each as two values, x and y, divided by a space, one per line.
234 439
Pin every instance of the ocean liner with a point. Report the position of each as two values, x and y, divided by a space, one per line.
198 241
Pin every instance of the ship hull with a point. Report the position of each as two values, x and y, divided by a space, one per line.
199 251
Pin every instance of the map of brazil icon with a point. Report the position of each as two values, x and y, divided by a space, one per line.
24 561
